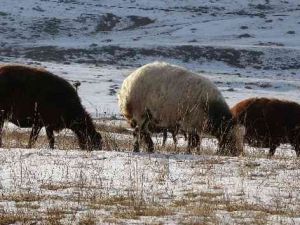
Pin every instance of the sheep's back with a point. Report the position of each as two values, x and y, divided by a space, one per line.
169 92
23 87
266 118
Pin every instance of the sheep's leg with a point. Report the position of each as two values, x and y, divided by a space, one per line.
165 136
196 141
193 141
295 141
34 135
136 137
50 136
174 134
36 127
297 149
185 135
296 144
272 150
144 131
1 125
137 134
189 138
147 138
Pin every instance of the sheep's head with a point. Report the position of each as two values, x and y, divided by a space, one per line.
231 141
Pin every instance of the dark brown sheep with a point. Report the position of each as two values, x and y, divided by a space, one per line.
32 97
269 122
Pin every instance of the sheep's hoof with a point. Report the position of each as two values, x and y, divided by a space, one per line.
188 150
136 149
150 150
222 153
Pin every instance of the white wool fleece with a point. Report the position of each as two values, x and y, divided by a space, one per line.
172 94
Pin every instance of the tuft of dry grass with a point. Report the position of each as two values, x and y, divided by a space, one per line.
27 205
54 215
113 128
137 211
87 219
21 197
98 202
18 138
7 217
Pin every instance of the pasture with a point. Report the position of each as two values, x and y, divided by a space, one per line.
115 186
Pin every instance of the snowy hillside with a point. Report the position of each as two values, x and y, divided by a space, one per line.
237 33
242 45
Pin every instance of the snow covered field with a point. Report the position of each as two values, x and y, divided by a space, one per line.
121 187
248 48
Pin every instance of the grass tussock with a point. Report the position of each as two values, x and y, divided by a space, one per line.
137 211
61 186
244 206
113 128
21 197
88 219
27 205
18 217
54 215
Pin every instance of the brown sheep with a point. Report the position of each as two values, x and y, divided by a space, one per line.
269 122
32 97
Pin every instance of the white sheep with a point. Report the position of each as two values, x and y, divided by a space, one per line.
170 96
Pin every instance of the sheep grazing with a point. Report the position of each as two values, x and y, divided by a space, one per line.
168 96
269 122
32 97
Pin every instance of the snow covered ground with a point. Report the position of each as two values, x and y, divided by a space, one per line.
248 48
122 187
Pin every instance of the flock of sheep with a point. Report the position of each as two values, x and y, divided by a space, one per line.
157 97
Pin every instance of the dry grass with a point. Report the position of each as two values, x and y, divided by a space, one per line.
137 211
21 197
63 185
82 202
13 218
27 205
54 215
7 217
244 206
18 138
88 219
113 128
